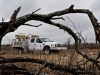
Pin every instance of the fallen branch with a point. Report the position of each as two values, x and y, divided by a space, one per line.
50 65
44 65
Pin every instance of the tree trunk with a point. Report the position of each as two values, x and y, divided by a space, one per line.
0 42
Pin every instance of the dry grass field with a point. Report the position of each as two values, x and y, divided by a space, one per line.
67 57
53 57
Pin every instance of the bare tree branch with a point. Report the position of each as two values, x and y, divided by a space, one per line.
33 25
44 65
77 43
98 56
13 17
57 18
76 29
36 10
50 65
3 19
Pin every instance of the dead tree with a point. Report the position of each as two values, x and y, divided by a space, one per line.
14 23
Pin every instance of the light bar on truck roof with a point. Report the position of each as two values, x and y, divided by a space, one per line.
34 36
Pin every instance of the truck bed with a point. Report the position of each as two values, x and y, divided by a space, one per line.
19 44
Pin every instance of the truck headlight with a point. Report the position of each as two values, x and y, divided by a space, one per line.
52 45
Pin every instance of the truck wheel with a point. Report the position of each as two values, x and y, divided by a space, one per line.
20 51
47 50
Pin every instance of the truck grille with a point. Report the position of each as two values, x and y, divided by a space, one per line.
57 45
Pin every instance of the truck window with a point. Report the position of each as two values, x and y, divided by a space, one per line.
38 40
32 40
46 40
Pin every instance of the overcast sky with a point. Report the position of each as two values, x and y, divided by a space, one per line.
81 21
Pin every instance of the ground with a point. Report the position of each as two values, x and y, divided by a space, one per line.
65 57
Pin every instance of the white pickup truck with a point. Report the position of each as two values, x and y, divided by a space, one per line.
37 43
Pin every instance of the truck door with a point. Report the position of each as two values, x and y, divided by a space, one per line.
31 44
38 44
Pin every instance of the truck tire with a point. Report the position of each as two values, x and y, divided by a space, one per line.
20 51
47 50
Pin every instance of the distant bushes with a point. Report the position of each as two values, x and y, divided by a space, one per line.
69 46
83 46
6 47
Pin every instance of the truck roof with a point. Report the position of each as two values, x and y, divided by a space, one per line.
38 37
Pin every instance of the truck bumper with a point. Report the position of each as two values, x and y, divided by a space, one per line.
58 48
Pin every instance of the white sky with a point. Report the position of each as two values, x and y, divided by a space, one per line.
81 21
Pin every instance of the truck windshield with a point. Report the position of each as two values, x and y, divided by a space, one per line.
46 40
